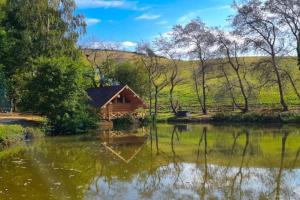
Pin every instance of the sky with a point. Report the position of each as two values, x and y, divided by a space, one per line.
129 21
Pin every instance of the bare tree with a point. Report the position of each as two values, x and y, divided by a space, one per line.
103 57
231 49
289 14
199 40
166 45
292 81
260 28
156 72
159 81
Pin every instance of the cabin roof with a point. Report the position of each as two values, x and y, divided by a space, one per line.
99 97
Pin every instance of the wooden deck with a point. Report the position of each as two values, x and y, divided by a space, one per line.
118 115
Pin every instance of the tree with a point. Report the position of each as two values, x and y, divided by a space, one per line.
103 59
231 49
57 90
34 28
289 14
197 37
4 103
167 46
133 76
261 31
156 74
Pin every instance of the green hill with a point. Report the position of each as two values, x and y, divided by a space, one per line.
265 97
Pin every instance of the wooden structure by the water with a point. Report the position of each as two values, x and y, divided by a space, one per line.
116 102
112 140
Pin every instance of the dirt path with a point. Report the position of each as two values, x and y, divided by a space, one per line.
15 117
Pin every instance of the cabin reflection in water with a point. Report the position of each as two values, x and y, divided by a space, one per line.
124 145
182 127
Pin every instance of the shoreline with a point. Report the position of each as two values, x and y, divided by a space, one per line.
14 134
266 117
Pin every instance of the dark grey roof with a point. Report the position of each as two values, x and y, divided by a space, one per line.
100 96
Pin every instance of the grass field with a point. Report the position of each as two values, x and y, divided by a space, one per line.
266 97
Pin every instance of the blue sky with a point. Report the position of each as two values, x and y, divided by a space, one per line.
128 22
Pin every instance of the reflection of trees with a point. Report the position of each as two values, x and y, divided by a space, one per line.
205 177
236 136
296 158
176 165
169 173
279 177
150 181
240 173
153 130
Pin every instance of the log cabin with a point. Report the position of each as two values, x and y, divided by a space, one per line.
116 102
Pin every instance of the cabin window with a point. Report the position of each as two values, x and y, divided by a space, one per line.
120 100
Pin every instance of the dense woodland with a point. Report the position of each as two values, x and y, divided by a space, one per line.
194 67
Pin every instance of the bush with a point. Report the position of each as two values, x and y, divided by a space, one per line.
33 133
290 117
13 134
259 117
58 91
10 134
124 122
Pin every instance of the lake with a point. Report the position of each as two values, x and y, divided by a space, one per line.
162 162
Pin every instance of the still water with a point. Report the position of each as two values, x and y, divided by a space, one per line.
163 162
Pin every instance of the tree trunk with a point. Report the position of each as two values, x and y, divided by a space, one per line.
173 107
298 53
197 89
156 101
235 104
246 106
293 84
150 96
204 109
279 82
298 50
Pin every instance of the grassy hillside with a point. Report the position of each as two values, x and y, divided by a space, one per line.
267 96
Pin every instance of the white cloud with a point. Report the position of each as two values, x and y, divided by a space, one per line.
105 4
147 17
128 44
92 21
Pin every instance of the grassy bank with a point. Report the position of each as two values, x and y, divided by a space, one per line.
251 117
14 134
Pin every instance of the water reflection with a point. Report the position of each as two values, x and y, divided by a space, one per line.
158 162
124 145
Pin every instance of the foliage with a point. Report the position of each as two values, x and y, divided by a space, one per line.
133 76
259 117
13 134
10 134
57 90
125 122
33 28
4 104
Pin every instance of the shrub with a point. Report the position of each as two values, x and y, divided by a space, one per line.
10 134
58 91
291 117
